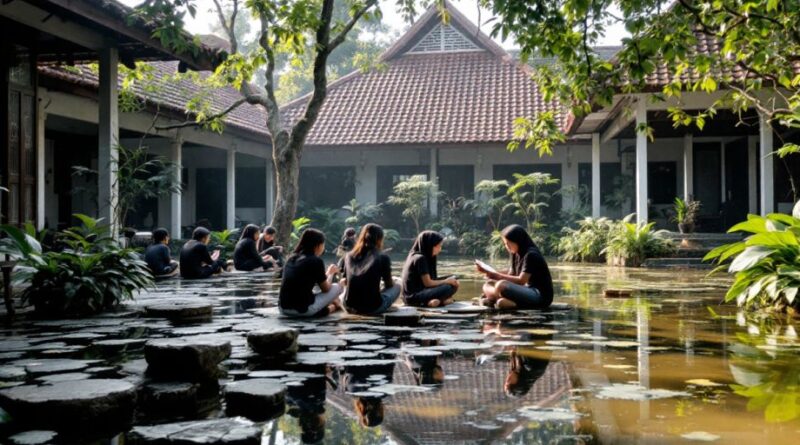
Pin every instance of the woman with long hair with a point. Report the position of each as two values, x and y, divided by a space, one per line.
528 283
246 256
365 268
421 284
303 270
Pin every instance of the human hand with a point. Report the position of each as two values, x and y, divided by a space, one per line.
333 269
452 281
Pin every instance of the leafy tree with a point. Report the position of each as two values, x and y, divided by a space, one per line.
413 195
528 198
298 26
492 201
756 67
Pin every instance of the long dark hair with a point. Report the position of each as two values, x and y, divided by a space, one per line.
369 240
519 236
309 240
424 245
249 232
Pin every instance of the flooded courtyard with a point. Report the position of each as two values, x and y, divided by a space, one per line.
668 365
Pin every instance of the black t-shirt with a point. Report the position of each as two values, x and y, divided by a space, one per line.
364 281
246 257
194 255
415 267
157 258
263 244
534 263
300 274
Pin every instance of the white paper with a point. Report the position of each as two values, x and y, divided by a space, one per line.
485 266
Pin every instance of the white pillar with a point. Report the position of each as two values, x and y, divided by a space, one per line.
230 189
268 204
434 176
688 167
41 117
767 182
641 162
175 203
108 139
722 185
752 174
595 175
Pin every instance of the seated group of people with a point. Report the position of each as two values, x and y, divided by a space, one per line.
370 289
255 251
367 282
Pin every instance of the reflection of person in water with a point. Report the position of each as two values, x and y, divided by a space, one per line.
307 403
526 367
357 381
426 369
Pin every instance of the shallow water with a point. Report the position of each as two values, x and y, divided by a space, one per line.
668 365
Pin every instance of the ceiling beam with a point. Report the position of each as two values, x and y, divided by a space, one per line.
45 21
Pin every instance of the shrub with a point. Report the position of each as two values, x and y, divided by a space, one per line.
474 243
586 243
224 241
413 195
529 198
766 264
91 273
492 201
629 244
360 214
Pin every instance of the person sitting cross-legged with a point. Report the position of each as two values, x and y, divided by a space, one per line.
365 268
421 285
196 261
303 270
246 256
157 255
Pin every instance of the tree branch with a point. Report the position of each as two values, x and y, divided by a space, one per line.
274 123
221 114
350 24
229 28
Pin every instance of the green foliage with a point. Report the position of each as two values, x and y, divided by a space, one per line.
759 38
685 211
457 214
474 243
629 244
298 225
587 242
529 198
330 222
622 192
542 133
224 241
496 247
360 214
492 201
412 196
766 264
90 274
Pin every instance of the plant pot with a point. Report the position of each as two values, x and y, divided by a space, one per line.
685 228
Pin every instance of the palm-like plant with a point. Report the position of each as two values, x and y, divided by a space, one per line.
587 241
91 273
766 264
629 244
685 214
412 195
528 198
224 241
493 201
359 214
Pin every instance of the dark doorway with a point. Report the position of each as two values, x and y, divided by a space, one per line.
608 172
210 196
330 187
707 185
736 183
457 181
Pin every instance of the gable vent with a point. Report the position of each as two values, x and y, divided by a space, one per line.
443 38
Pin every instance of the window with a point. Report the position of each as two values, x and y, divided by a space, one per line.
662 182
443 38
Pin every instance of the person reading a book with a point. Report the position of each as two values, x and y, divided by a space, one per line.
528 283
421 285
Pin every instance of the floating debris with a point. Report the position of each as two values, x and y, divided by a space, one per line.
623 391
700 436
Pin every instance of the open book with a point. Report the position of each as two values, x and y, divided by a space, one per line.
485 266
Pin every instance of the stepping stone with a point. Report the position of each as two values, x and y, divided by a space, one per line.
53 366
273 342
72 404
12 373
228 431
185 311
35 437
66 377
256 399
169 397
402 317
186 358
118 345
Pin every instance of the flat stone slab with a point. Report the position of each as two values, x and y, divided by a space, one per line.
193 358
35 437
256 399
72 404
181 310
46 366
228 431
169 397
273 341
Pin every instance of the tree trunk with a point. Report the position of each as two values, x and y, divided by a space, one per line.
287 172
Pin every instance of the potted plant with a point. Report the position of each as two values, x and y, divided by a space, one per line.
685 214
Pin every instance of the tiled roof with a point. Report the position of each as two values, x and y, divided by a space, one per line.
430 98
173 95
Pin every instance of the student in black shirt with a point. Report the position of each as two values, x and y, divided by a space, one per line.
196 261
421 284
365 268
528 284
304 270
266 245
345 245
246 256
157 255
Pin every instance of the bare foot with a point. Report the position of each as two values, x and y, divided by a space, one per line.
505 304
332 308
448 301
434 303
